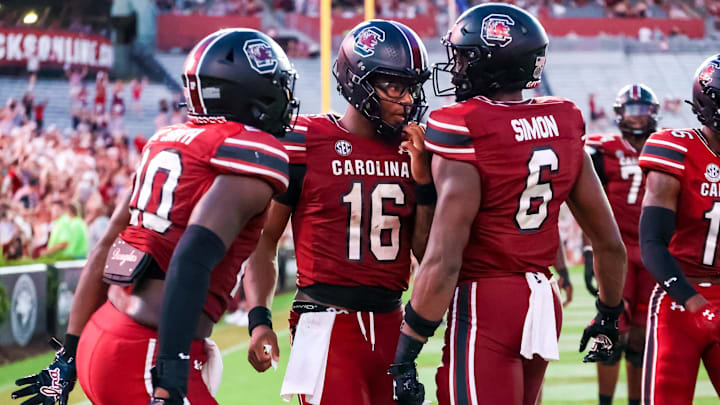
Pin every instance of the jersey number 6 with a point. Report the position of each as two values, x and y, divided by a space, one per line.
532 207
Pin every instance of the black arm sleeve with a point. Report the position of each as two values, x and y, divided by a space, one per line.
657 225
186 287
599 165
292 195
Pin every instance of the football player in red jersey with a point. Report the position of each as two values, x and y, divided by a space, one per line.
502 167
678 241
173 250
615 157
358 208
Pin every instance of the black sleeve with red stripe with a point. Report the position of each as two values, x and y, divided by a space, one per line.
251 158
449 140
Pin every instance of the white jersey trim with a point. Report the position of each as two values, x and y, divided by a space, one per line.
251 169
451 127
437 148
666 143
662 162
259 145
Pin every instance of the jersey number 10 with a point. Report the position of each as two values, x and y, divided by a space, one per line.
379 221
168 162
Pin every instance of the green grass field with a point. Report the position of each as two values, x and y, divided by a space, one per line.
568 381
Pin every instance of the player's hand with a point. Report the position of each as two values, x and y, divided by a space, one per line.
258 355
566 286
589 273
164 398
414 143
161 395
604 330
51 385
707 319
407 389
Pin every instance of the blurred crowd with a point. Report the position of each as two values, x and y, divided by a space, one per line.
58 186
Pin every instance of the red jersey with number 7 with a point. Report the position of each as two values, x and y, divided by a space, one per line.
353 219
685 155
179 164
622 180
529 155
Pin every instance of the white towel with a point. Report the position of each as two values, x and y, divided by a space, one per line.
308 357
212 370
539 332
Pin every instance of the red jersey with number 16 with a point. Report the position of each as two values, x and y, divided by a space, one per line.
353 220
685 155
179 164
529 155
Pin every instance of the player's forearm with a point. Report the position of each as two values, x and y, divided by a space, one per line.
610 264
435 285
657 226
91 291
260 278
421 233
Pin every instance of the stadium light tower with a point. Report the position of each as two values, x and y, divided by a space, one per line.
30 18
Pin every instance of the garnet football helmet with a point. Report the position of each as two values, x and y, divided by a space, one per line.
380 49
240 75
492 47
706 93
636 111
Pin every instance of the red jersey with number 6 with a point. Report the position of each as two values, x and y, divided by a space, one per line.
622 180
685 155
179 164
353 219
529 155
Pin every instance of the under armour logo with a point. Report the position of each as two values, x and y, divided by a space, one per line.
669 281
675 306
709 315
197 364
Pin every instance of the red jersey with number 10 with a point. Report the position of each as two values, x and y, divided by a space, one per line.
529 155
353 221
179 164
622 179
685 155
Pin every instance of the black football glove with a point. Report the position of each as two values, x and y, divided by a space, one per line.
604 329
51 385
407 389
589 273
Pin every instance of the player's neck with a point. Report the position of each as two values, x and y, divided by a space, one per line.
713 139
508 96
357 124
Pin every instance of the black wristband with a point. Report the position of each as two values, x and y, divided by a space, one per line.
420 325
606 310
70 346
259 316
408 349
425 194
